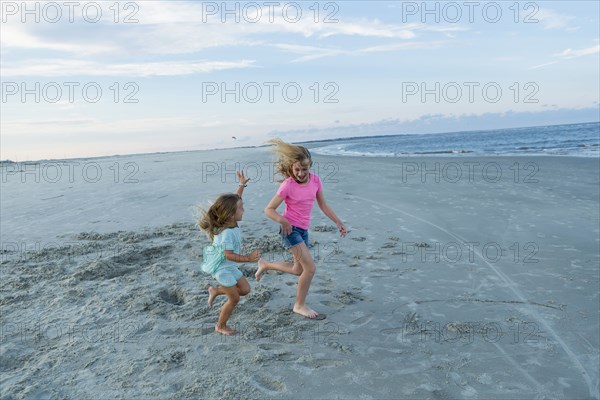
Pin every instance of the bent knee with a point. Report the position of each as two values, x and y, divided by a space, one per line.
309 268
244 291
234 299
297 269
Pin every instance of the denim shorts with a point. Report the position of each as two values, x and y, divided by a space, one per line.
297 236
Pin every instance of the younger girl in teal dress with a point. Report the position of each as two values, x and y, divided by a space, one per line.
220 258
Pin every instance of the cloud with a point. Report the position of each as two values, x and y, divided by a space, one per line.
551 19
270 19
569 54
56 67
310 52
189 37
373 28
407 46
543 65
166 28
25 37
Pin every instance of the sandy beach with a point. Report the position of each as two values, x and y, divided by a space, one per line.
461 277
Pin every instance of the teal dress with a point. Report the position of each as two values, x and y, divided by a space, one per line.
214 261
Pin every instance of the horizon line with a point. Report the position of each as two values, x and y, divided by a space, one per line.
8 161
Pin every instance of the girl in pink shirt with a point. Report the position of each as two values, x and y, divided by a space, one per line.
299 191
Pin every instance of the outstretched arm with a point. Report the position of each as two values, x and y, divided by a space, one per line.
330 213
231 256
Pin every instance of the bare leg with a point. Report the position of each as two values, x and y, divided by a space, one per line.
233 297
213 292
302 254
242 286
291 268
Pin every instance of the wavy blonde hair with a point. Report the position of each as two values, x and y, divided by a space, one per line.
289 154
219 215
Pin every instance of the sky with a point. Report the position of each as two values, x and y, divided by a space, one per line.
83 79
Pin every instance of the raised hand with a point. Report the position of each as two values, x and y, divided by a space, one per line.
243 180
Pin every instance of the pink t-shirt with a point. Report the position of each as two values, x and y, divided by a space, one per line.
299 199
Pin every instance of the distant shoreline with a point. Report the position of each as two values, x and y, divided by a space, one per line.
438 133
308 142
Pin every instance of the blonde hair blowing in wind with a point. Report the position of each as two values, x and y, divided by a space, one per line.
219 215
289 154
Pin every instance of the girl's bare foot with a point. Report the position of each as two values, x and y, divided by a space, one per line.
226 331
212 293
262 267
305 311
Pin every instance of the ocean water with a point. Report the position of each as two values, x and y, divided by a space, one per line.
581 140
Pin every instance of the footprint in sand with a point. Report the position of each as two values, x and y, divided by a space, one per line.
323 362
348 297
270 346
232 347
278 352
225 347
392 331
332 304
362 320
441 395
286 357
102 270
173 296
267 384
